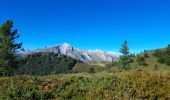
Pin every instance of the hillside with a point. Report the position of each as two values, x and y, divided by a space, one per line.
152 61
149 60
45 64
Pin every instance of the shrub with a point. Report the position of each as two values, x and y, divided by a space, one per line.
91 70
141 61
161 59
83 67
157 53
146 55
156 67
167 60
110 65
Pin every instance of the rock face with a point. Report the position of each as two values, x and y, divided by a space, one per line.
83 55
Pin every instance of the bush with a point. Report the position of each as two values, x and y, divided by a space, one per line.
167 60
83 67
163 56
146 55
156 67
110 65
161 59
91 70
157 53
141 61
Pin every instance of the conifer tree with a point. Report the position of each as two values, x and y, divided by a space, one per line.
125 59
124 49
8 48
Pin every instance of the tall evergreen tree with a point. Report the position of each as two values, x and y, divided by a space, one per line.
8 48
124 49
125 58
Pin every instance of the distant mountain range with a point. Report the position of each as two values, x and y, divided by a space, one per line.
79 54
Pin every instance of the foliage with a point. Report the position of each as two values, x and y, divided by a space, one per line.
161 59
125 58
129 85
146 55
141 61
8 48
124 62
157 53
167 60
156 67
110 65
91 70
163 55
45 64
87 68
124 49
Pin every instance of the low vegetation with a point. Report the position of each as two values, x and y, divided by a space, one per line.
117 85
87 68
163 55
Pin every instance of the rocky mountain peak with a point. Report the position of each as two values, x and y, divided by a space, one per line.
79 54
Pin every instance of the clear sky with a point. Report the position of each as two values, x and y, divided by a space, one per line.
90 24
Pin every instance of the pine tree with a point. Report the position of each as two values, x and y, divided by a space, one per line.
8 48
125 58
124 49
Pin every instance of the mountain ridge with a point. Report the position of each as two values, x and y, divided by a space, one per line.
79 54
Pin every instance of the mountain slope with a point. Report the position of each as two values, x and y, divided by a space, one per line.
150 61
82 55
45 64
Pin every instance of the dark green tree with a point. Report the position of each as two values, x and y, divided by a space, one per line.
124 49
125 58
161 59
168 50
167 60
8 48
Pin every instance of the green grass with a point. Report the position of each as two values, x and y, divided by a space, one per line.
84 86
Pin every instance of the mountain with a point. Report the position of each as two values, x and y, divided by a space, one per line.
79 54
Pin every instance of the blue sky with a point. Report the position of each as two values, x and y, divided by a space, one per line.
90 24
